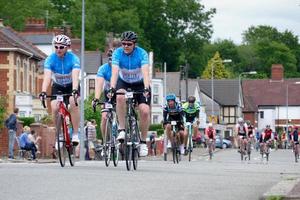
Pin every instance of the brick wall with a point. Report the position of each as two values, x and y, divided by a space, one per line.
250 116
3 81
4 57
4 140
277 72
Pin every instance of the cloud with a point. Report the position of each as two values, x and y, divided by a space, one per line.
233 17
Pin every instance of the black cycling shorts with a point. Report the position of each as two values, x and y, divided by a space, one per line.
179 126
139 86
60 89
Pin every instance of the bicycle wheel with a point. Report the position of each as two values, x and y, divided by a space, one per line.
135 156
174 151
115 155
190 147
60 138
128 145
71 153
107 142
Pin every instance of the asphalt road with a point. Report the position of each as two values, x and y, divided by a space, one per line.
224 177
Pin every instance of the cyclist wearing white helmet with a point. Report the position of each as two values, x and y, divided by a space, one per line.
241 130
62 68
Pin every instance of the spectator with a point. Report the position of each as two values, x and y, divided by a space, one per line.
91 138
25 142
33 138
284 140
11 124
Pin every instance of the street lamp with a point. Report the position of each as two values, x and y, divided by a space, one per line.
240 84
287 105
212 83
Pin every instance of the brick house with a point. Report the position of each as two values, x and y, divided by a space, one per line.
274 102
20 80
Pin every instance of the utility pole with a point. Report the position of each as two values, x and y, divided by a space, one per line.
186 80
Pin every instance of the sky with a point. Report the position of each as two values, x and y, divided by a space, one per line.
233 17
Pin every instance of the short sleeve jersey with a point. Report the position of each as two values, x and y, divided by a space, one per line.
104 71
130 65
61 68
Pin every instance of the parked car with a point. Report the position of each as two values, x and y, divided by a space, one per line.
226 143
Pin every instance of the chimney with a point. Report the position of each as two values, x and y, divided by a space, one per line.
1 23
277 72
35 25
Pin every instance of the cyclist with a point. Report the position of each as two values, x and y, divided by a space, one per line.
172 111
295 138
130 69
63 67
251 131
191 111
266 136
103 84
242 130
210 133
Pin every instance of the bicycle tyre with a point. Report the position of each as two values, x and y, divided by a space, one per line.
190 147
174 152
107 142
71 153
115 155
135 156
128 145
60 137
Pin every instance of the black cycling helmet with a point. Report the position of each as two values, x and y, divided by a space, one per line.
129 36
191 99
109 54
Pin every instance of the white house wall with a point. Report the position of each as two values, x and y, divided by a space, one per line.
268 118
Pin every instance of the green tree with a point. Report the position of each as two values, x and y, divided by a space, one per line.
3 106
219 70
89 114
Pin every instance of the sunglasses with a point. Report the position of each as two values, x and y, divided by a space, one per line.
129 44
60 47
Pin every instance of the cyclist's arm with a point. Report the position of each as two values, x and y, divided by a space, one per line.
46 80
114 76
165 115
99 87
75 78
145 72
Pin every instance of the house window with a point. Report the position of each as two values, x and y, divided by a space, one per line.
155 99
155 89
229 115
91 86
155 119
261 113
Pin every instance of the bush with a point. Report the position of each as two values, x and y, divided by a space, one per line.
160 132
27 120
155 127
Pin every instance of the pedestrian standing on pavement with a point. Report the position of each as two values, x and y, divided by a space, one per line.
11 124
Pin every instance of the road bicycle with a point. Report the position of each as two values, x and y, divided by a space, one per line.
295 146
110 143
63 124
190 139
265 150
132 136
244 145
210 144
175 142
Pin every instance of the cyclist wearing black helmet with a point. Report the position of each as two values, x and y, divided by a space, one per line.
191 110
130 69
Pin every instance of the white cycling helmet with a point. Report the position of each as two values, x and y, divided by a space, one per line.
210 125
62 39
240 120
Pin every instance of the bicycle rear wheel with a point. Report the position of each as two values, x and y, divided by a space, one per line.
115 155
61 142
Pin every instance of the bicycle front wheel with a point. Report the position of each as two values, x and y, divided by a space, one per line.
71 152
60 140
190 147
135 157
107 142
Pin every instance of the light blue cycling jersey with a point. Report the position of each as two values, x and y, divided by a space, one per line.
61 68
130 65
104 71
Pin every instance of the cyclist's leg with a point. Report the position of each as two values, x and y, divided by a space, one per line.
54 110
103 123
195 129
121 107
144 111
182 137
74 110
168 128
